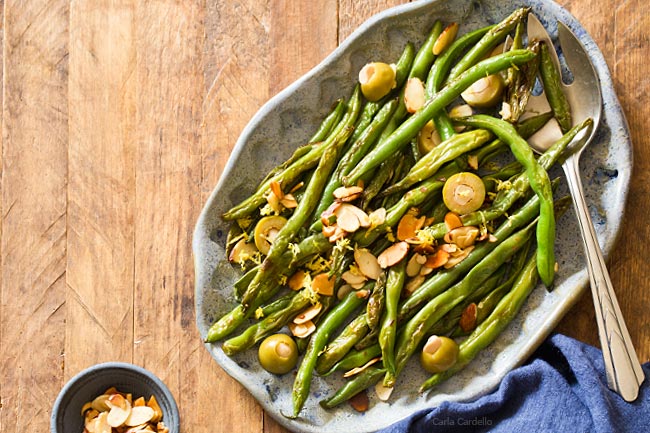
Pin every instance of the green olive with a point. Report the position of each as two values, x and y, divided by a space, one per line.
278 354
463 193
266 230
485 92
439 354
376 79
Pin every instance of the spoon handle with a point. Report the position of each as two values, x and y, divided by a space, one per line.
624 373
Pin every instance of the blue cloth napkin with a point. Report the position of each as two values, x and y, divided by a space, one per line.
562 388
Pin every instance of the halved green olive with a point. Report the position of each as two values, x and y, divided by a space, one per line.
428 138
278 354
376 79
485 92
439 354
463 193
266 230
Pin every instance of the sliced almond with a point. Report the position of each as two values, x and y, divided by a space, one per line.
339 233
348 193
357 370
347 219
289 201
364 219
277 189
393 254
99 403
297 280
367 263
120 410
86 407
308 314
140 415
360 402
241 252
302 330
329 230
472 161
362 293
274 201
161 428
462 236
414 97
468 317
353 278
101 424
323 284
153 403
432 345
409 225
452 221
413 284
445 38
413 266
437 259
383 392
297 186
327 216
424 271
457 258
139 402
377 217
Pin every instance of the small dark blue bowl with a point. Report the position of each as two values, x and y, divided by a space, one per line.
128 378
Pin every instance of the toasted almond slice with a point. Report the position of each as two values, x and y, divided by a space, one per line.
139 415
413 266
347 219
437 259
462 236
153 403
297 186
360 402
86 407
412 284
302 330
492 238
409 225
452 221
343 291
242 251
414 97
393 254
90 422
276 189
362 293
101 424
326 216
339 233
139 402
308 314
445 38
111 390
367 263
364 219
120 409
329 230
472 161
347 193
357 370
297 280
468 317
383 392
457 258
353 278
323 284
449 248
377 217
99 403
162 428
426 270
273 201
289 201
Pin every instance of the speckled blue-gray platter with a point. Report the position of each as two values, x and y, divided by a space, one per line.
292 116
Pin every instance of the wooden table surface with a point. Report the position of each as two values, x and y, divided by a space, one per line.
117 119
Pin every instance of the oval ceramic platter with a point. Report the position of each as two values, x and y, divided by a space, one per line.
292 116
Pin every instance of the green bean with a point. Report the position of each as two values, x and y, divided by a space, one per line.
267 326
446 151
376 302
355 358
242 283
413 124
394 285
519 90
539 182
381 175
356 151
305 207
317 342
230 321
342 344
415 329
553 90
491 328
329 122
361 381
490 40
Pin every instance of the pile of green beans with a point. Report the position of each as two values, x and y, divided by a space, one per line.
365 155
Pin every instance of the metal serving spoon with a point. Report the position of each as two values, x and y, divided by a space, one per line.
624 373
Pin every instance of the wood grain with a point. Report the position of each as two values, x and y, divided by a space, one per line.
117 120
33 244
